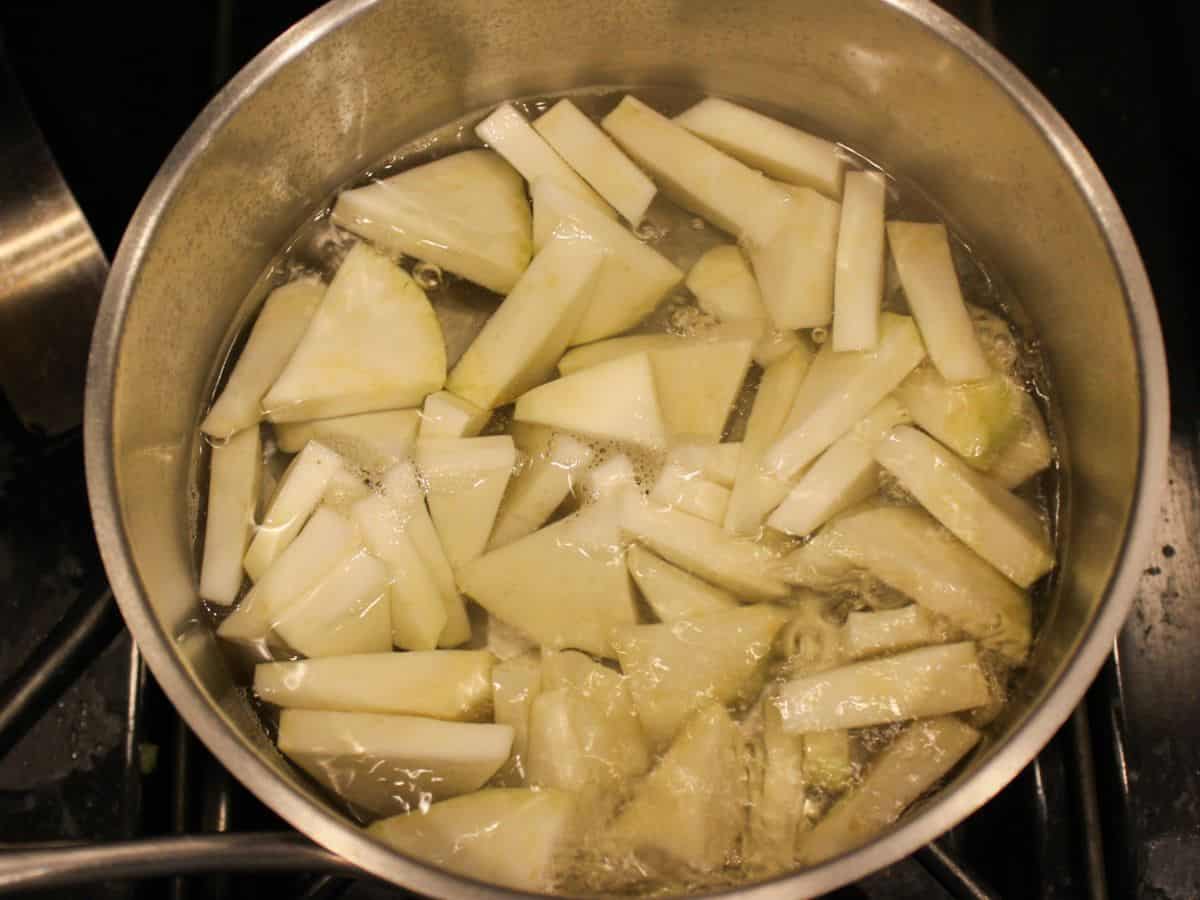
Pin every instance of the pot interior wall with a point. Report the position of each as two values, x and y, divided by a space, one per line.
858 71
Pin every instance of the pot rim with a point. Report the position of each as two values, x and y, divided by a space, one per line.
329 829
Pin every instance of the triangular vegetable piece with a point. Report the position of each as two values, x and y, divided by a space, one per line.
346 612
539 490
588 355
280 325
565 585
872 632
466 478
612 401
777 807
439 684
466 213
695 175
373 441
446 416
692 806
673 593
634 277
724 285
1028 453
592 153
233 487
676 667
839 390
861 256
374 343
702 548
679 488
510 836
521 342
516 683
390 764
998 525
418 608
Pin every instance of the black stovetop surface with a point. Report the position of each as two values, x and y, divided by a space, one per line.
108 759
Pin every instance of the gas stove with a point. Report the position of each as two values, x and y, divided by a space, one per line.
98 772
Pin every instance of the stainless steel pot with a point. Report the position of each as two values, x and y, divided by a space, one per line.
897 79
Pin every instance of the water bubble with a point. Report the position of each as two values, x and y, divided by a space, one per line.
819 335
428 276
698 224
648 231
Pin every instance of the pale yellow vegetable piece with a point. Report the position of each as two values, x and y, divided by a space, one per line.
565 585
695 175
780 150
446 416
691 807
372 441
889 630
521 342
721 463
634 277
510 836
777 813
516 683
919 758
505 641
673 593
724 285
348 611
795 266
607 479
374 343
1028 453
676 667
774 345
233 486
922 254
390 764
508 133
677 488
615 400
828 759
466 213
441 684
539 489
858 282
839 390
592 153
917 684
467 478
588 355
999 526
281 323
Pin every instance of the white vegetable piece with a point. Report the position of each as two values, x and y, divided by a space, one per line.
389 764
592 153
858 282
521 342
373 441
908 550
506 642
780 150
721 463
508 133
466 213
922 254
346 612
674 668
821 564
691 806
588 355
828 758
755 491
446 416
673 593
975 419
233 487
996 524
889 630
702 548
608 479
917 760
615 400
281 323
634 277
688 492
795 265
516 683
540 489
777 810
565 585
509 836
325 541
725 287
840 389
374 314
440 684
695 175
930 681
296 497
418 607
405 493
774 345
1028 453
844 475
466 478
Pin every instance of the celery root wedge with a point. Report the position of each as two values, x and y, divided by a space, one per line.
673 593
858 280
539 489
232 500
346 612
466 478
372 441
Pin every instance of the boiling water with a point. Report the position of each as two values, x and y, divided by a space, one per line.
318 248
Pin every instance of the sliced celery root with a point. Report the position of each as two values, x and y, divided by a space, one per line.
673 593
858 280
233 488
372 441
